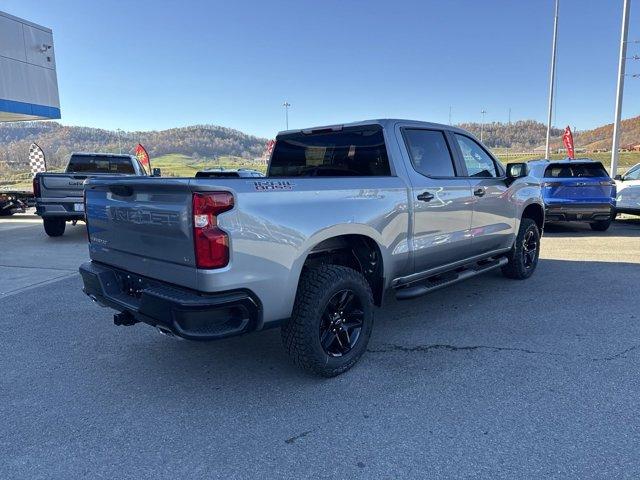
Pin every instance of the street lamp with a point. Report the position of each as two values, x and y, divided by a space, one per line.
483 113
119 132
286 106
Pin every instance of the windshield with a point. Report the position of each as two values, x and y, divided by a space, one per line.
352 151
633 173
100 164
575 170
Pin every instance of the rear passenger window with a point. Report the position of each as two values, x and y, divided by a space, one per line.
429 152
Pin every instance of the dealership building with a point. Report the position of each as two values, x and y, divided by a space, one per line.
28 80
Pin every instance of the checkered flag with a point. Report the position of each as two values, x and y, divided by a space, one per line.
36 159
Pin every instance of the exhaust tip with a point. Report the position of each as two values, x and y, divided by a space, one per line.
165 331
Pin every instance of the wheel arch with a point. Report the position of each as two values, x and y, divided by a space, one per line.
357 249
535 212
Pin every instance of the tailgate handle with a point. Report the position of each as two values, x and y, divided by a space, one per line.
80 177
121 190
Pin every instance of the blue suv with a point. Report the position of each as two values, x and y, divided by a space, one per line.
578 190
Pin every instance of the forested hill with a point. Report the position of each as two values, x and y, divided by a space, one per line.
523 134
526 135
208 141
601 138
58 141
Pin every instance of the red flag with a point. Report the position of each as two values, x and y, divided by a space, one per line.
567 139
269 147
143 157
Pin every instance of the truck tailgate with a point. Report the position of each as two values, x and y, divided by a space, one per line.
61 185
141 217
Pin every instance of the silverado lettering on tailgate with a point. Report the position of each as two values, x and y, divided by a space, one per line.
141 216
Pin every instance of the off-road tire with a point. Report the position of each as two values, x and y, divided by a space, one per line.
517 268
301 333
54 227
601 225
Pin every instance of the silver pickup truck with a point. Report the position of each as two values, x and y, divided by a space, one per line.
59 196
345 214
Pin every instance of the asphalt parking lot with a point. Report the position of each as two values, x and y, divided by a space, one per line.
491 378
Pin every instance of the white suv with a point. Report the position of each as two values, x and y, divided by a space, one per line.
628 197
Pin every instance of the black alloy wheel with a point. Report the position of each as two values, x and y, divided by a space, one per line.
529 249
341 324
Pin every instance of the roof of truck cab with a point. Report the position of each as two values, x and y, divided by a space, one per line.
106 154
563 161
384 122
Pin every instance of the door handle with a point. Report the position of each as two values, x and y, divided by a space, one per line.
425 197
479 192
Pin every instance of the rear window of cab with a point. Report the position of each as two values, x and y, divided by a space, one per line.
100 164
344 152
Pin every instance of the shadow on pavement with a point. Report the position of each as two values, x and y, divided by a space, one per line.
626 227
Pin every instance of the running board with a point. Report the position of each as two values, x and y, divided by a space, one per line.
449 278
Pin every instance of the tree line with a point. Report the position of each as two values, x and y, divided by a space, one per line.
59 141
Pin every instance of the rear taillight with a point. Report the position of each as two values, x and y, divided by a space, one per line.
36 187
86 219
211 243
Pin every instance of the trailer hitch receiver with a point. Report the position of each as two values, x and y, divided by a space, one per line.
125 319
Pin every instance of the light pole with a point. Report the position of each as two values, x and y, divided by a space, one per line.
449 114
482 112
620 88
119 140
552 79
286 106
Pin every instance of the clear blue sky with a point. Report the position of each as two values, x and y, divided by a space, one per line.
141 65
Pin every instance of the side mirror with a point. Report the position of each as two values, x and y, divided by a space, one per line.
156 172
517 170
618 177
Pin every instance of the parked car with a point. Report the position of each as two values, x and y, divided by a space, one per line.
229 173
577 190
59 196
345 214
628 198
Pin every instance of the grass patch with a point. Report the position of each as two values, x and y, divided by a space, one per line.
176 165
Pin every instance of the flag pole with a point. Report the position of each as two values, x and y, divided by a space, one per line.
552 79
620 88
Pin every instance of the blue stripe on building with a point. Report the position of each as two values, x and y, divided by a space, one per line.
33 109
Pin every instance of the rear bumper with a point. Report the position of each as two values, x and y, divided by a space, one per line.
179 311
59 209
583 212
